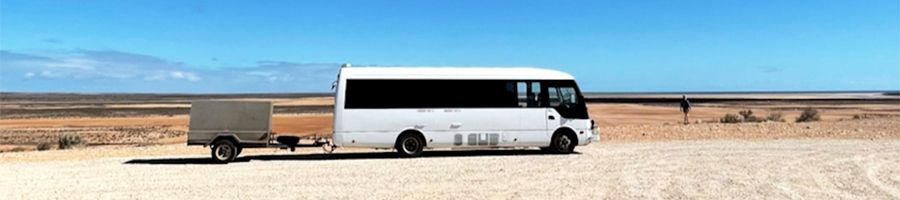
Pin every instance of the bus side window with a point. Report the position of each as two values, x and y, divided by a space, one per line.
553 92
528 94
568 95
522 94
534 94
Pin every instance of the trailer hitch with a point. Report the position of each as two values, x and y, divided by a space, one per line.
328 146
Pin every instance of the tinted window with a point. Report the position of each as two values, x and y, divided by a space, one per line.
430 94
522 94
528 94
554 96
564 97
561 95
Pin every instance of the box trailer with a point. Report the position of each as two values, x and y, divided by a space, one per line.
229 126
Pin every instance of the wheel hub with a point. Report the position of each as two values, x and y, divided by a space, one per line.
223 152
564 143
410 145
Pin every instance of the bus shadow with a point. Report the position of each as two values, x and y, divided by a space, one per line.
341 156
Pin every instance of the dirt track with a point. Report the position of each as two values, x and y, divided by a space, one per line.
712 169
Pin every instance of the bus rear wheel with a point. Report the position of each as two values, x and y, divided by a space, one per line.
410 145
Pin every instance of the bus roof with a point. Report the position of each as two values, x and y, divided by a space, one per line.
511 73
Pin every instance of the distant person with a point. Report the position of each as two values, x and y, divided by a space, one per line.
685 108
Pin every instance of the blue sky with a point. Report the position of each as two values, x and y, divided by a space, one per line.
297 46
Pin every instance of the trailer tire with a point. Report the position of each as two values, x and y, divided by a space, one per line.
224 151
410 145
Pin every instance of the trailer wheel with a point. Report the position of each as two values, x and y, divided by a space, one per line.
224 151
410 145
562 143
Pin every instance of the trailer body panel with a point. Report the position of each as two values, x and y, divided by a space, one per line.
247 122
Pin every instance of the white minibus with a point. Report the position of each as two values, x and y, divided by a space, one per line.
414 108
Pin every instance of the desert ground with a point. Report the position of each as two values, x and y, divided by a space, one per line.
137 143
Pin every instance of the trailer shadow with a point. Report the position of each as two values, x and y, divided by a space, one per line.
341 156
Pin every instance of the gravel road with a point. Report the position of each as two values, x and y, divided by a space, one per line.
708 169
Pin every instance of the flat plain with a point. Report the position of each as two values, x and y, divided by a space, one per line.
135 149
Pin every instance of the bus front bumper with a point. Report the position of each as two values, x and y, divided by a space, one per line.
595 135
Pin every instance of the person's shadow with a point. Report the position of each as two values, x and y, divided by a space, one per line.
341 156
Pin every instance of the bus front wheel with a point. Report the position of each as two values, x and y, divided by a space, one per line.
561 143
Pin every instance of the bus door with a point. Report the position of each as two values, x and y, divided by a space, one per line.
531 114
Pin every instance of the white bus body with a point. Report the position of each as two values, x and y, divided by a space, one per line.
459 107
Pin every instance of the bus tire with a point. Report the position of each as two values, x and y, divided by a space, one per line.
224 151
562 143
410 145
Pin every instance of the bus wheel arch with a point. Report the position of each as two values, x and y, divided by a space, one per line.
410 143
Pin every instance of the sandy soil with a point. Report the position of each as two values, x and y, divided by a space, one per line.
26 133
709 169
300 124
608 115
875 129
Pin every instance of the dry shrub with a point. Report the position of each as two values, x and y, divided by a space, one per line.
730 118
809 115
43 146
68 141
748 116
775 117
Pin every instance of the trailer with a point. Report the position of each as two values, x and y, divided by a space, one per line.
227 127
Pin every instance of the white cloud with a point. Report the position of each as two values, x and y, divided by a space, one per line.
89 70
51 74
184 75
83 64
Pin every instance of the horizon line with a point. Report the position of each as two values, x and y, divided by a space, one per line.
584 92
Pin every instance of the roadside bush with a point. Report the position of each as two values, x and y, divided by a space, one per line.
43 146
808 115
775 117
748 116
68 141
730 118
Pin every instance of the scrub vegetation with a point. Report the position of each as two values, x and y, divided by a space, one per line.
809 115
